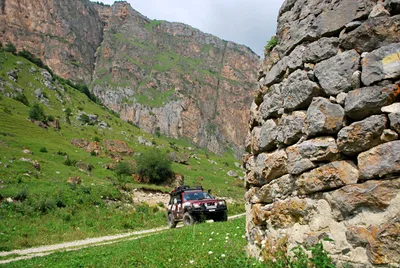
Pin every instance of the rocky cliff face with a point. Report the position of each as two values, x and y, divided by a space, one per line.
323 147
64 34
164 77
172 78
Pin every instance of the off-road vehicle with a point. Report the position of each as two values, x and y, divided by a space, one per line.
191 205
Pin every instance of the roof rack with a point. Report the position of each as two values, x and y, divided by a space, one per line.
183 188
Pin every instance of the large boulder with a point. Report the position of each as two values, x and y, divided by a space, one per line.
335 74
279 188
321 49
323 117
381 64
361 136
380 161
290 127
363 102
274 164
263 138
299 91
272 102
330 176
304 156
117 146
351 199
372 34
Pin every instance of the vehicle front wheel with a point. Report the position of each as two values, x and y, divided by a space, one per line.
221 217
188 219
171 221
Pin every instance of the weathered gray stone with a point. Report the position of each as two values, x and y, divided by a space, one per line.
279 188
389 135
263 138
323 117
298 91
352 25
335 74
322 49
351 199
380 161
361 136
356 80
273 101
379 11
290 127
380 64
275 74
363 102
329 176
295 59
394 119
301 157
271 165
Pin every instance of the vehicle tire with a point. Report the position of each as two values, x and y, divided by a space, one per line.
188 219
171 221
221 217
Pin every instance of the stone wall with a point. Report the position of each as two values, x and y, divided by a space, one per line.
323 147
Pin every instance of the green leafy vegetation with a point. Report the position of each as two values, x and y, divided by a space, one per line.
37 113
152 24
273 42
10 48
155 166
99 205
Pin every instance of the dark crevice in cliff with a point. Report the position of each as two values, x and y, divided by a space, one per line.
3 6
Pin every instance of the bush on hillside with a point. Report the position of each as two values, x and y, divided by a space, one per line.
68 113
155 166
10 48
123 168
37 113
22 98
43 150
271 43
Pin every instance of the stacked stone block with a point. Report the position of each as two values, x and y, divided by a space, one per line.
323 147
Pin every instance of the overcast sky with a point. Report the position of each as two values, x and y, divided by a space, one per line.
247 22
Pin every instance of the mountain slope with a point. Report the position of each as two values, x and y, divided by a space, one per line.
164 77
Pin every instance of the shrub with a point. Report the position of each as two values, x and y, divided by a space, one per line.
29 56
271 43
155 166
69 162
85 119
10 48
62 153
22 195
45 205
43 150
37 113
123 168
51 118
22 98
96 139
68 113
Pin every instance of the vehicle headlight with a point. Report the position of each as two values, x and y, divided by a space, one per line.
195 205
221 203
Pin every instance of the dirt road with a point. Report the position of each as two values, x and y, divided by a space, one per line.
79 244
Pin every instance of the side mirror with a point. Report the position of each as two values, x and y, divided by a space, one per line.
209 191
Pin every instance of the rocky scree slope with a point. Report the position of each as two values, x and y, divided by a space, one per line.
167 78
323 146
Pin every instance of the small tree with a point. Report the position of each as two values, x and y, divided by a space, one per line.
155 166
10 48
37 113
68 113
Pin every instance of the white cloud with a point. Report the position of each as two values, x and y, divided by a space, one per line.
248 22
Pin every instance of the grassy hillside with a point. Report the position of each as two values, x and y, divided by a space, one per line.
219 245
39 206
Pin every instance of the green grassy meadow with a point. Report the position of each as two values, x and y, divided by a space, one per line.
203 245
39 207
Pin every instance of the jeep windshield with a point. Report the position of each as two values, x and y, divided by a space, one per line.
196 196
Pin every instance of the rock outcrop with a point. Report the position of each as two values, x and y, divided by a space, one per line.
174 79
323 146
163 77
